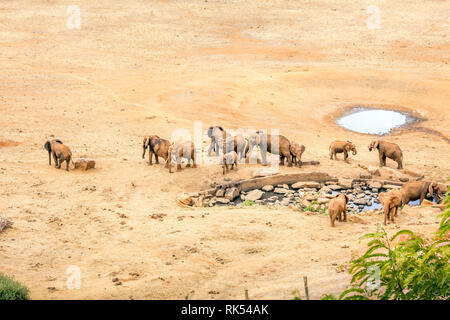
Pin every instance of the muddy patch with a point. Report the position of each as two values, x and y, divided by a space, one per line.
8 143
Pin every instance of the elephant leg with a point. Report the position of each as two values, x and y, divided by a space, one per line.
150 156
264 157
289 160
49 158
67 164
400 165
381 159
281 160
345 214
345 155
157 160
332 218
55 159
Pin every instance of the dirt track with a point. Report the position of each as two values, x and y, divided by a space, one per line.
150 67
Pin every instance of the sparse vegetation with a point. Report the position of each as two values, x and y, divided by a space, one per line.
248 203
315 207
12 290
415 268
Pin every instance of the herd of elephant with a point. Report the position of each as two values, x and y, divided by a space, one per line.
233 148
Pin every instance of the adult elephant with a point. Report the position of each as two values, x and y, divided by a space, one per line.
387 150
237 144
416 190
267 143
216 134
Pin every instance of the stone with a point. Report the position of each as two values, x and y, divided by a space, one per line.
185 200
374 171
222 200
84 164
404 179
254 195
363 175
335 187
264 172
232 193
345 183
323 200
281 190
285 202
220 193
390 186
325 190
268 188
375 185
306 184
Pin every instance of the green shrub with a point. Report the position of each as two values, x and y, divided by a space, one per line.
415 269
248 203
12 290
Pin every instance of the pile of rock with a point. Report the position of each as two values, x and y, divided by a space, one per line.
362 194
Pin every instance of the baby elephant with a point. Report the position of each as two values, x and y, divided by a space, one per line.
60 153
181 150
296 152
341 147
229 159
391 201
337 208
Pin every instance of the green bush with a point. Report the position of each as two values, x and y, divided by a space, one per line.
415 269
12 290
248 203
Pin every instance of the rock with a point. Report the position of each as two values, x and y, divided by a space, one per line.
334 187
363 175
84 164
285 202
222 200
374 171
345 183
254 195
311 197
264 172
220 193
323 200
404 179
306 184
325 190
360 201
232 193
390 186
375 185
185 200
281 190
267 188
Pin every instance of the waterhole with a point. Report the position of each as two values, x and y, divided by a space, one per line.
374 121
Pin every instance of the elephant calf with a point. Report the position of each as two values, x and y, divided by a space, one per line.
60 153
415 190
387 150
296 153
181 150
391 201
158 147
337 208
341 147
229 159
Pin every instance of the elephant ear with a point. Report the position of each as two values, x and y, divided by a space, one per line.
346 198
377 144
431 188
48 146
210 130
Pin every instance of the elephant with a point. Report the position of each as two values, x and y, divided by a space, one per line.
391 201
60 153
229 159
389 150
341 147
181 150
265 142
215 133
156 146
415 190
296 153
337 208
237 144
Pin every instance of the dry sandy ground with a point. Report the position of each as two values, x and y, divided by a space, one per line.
149 67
